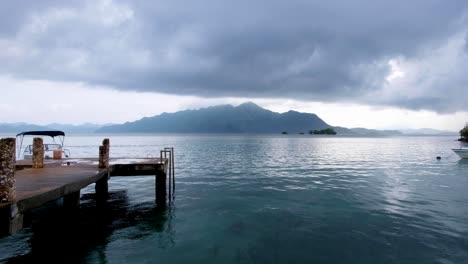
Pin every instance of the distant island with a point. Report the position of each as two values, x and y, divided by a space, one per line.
327 131
464 134
247 118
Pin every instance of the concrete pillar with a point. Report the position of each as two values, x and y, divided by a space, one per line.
11 219
101 186
104 154
161 188
7 170
38 153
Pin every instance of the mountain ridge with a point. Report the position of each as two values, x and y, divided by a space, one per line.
244 118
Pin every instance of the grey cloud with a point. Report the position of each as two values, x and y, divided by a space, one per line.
307 50
466 42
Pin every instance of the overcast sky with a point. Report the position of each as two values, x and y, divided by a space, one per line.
367 63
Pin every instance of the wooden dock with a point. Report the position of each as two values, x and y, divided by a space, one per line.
65 178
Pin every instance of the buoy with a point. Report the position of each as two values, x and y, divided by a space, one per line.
438 158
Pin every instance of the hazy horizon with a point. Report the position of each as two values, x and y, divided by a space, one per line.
423 130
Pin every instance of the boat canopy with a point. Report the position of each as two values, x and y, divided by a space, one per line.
51 133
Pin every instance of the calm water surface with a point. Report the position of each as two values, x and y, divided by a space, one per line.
265 199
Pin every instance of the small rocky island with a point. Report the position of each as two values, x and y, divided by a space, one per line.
327 131
464 134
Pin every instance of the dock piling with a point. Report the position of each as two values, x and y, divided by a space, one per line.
161 188
12 219
102 187
104 154
38 153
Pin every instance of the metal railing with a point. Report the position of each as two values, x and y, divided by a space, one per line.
168 154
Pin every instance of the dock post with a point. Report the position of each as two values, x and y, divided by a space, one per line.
11 218
102 187
104 154
38 153
7 169
161 188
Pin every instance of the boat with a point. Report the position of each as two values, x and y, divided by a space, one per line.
51 150
462 152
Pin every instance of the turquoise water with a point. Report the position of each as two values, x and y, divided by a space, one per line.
265 199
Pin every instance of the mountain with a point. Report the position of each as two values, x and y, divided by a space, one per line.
245 118
20 127
83 128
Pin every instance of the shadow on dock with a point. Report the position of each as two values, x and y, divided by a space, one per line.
57 231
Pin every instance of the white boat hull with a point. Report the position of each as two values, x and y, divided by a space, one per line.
463 153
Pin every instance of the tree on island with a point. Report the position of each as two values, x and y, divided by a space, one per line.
328 131
464 133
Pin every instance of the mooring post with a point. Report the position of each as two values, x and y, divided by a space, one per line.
11 220
38 153
102 187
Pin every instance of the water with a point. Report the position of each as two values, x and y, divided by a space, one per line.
265 199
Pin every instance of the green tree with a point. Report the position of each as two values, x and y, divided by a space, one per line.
328 131
464 132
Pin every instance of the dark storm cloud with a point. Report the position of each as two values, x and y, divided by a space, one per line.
307 50
466 42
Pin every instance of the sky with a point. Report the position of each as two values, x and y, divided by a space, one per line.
362 63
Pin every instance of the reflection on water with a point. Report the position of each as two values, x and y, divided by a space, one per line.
58 235
266 199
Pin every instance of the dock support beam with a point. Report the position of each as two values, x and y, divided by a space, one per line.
7 170
38 153
102 187
72 200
